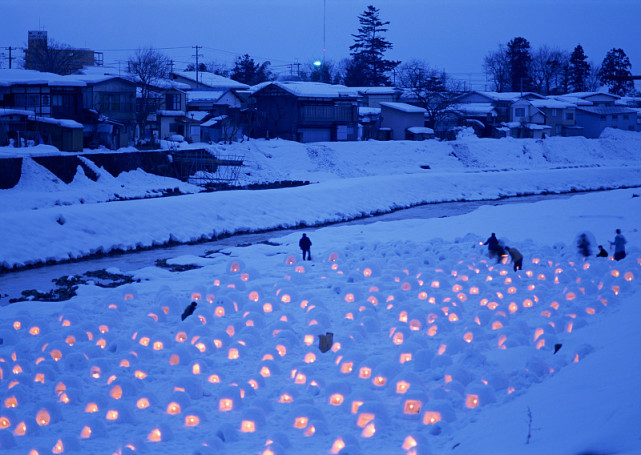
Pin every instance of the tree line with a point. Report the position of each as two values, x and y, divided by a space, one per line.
514 66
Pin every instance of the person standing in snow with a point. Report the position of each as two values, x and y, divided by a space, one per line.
602 253
493 247
305 245
517 258
619 245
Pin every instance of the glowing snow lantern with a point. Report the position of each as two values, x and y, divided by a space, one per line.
43 418
379 381
405 357
20 430
402 386
233 354
310 357
173 408
412 407
112 415
155 435
91 408
364 372
192 421
471 401
58 447
346 367
431 417
4 422
142 403
11 402
338 445
247 426
336 399
286 398
225 404
300 422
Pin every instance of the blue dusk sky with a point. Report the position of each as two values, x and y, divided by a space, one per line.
453 35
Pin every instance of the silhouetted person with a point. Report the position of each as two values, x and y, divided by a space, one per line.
583 244
619 245
602 253
516 256
189 310
305 244
494 249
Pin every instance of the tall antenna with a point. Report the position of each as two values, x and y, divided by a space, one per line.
324 16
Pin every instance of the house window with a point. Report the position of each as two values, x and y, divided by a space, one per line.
555 112
603 117
172 101
615 117
317 112
626 117
569 116
519 112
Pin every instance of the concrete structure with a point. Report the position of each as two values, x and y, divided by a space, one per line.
39 55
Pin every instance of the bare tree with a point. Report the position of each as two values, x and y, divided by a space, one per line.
497 69
433 90
51 57
593 81
147 68
549 67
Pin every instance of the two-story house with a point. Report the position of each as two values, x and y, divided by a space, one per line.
539 118
109 104
47 105
602 112
305 111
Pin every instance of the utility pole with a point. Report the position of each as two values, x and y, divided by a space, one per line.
10 57
197 55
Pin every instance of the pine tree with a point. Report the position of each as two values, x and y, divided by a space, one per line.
520 60
368 67
247 71
578 70
615 72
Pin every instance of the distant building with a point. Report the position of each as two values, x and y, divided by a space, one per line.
306 111
40 56
402 121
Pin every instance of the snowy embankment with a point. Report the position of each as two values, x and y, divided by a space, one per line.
62 233
63 222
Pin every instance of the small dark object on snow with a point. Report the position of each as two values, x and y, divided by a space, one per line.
557 347
189 310
325 342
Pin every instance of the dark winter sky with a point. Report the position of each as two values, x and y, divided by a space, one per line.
453 35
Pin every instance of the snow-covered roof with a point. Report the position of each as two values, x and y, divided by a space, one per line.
404 107
377 90
197 115
573 100
211 80
551 104
369 110
508 96
475 108
214 121
606 110
65 123
420 130
96 78
170 113
590 94
310 89
205 95
9 77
